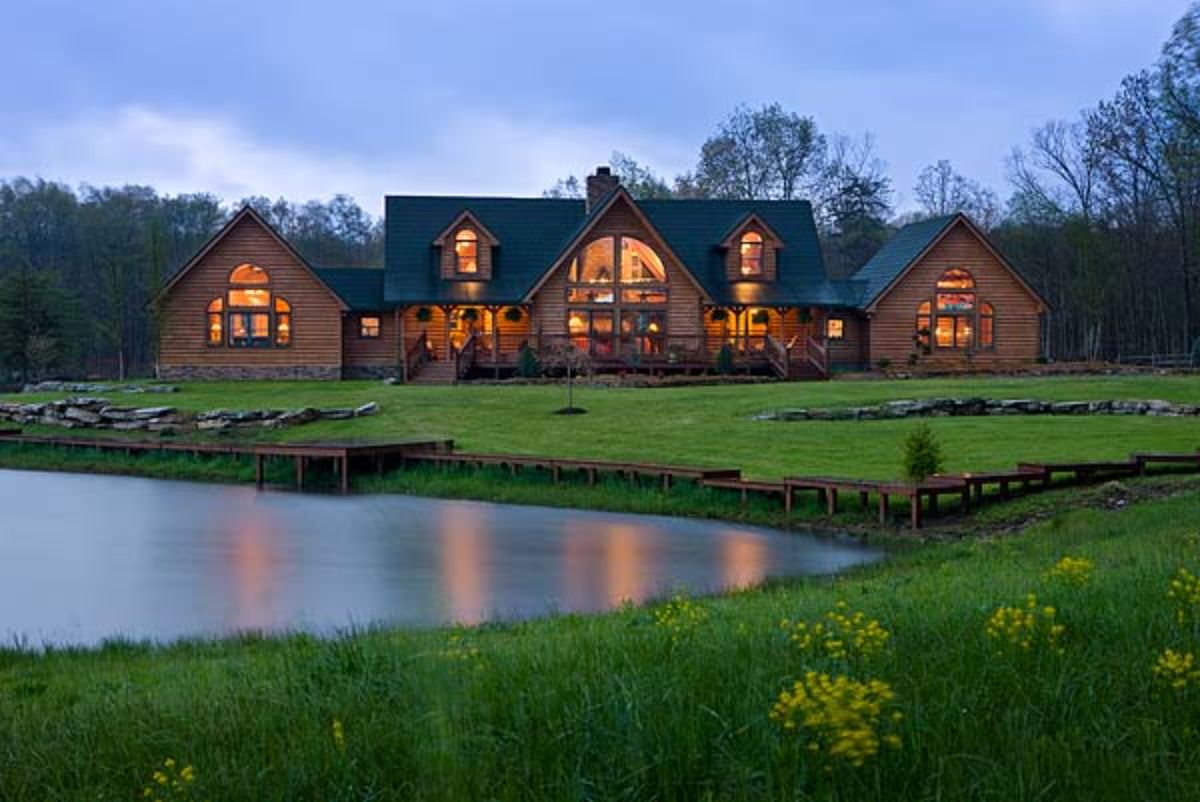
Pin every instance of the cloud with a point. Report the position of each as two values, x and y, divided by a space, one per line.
186 152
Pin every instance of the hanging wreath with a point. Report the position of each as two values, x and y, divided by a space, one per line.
761 318
424 314
513 314
718 315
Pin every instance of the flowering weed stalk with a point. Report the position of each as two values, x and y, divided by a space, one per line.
1074 571
1024 627
680 617
840 634
169 782
1185 590
1177 670
843 720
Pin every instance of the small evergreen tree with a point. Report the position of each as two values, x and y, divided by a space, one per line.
922 454
528 366
725 360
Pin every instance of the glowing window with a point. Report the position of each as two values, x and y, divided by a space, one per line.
466 251
251 298
248 274
924 324
283 322
835 328
956 279
640 264
595 263
987 326
752 254
368 327
216 322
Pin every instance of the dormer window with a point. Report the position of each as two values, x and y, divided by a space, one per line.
466 251
752 254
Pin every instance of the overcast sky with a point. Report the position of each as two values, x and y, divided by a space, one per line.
309 99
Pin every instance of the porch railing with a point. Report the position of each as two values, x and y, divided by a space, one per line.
416 356
778 355
464 357
817 353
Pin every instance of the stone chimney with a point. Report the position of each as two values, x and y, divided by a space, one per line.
599 185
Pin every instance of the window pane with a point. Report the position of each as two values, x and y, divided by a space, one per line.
955 301
835 328
214 329
283 328
944 335
590 296
248 274
282 305
962 332
752 254
216 306
602 332
596 262
639 263
260 325
368 326
577 326
956 279
643 296
985 331
924 322
252 298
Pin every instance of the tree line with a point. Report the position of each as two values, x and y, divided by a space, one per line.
1102 217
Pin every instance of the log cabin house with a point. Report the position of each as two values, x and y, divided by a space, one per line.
638 285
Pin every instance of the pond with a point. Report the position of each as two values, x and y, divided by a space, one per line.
84 558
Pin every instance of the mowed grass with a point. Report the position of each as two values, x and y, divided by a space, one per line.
712 425
620 707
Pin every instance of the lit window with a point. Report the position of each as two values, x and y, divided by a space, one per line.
752 254
987 326
283 322
248 274
466 251
640 264
595 263
924 324
253 298
835 328
249 329
368 327
216 322
956 279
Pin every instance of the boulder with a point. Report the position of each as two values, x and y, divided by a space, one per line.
81 415
337 414
369 408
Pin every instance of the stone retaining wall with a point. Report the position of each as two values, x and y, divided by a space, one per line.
98 413
965 407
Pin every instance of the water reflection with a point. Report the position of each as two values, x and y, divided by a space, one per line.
153 559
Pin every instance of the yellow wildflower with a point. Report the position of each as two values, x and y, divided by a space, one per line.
681 617
1023 627
169 782
1071 571
339 735
1177 670
1185 590
841 717
841 634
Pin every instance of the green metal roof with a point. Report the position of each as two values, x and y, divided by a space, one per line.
533 232
360 287
896 255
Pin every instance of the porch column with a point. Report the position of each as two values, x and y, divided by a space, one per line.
495 313
446 330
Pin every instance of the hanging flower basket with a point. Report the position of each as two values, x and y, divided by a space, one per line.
470 315
761 318
513 314
718 315
424 314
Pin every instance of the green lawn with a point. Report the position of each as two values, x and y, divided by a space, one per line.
626 707
712 426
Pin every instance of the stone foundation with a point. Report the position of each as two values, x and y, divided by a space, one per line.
370 372
255 372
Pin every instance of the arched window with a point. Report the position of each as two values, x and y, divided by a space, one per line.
617 285
956 279
466 251
752 254
955 319
249 274
283 322
216 322
924 324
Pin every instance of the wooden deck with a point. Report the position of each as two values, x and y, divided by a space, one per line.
923 497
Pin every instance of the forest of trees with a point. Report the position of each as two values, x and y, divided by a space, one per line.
1102 216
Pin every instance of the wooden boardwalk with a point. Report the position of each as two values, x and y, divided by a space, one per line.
348 456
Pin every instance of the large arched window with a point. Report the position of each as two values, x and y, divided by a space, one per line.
249 315
955 319
617 285
752 254
466 251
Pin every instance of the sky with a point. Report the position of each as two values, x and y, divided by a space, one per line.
308 99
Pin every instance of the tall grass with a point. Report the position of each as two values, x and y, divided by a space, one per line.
618 707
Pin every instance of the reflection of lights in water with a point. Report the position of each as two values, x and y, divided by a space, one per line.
604 564
743 561
253 560
623 557
465 546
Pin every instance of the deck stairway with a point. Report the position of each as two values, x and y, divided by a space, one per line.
440 371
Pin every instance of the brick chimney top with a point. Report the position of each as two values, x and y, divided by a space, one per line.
599 185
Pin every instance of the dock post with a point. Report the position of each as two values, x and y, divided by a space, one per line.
299 472
666 480
258 471
789 499
883 508
915 509
864 499
831 495
345 474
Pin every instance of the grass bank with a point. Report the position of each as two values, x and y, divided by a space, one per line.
661 703
712 426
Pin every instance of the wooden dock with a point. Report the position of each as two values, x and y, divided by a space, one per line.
348 456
